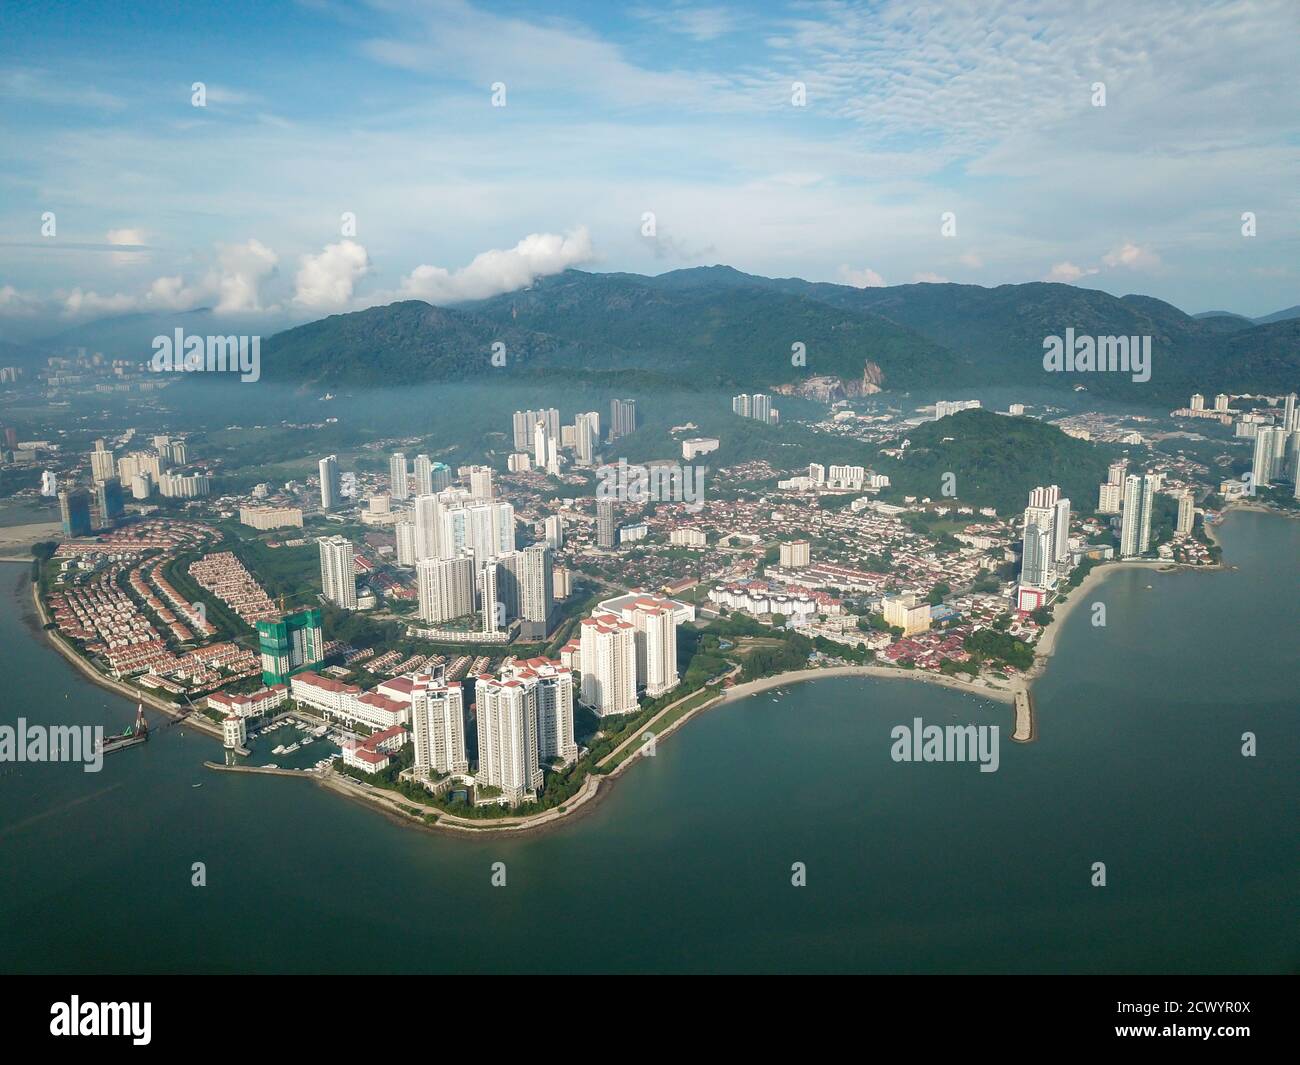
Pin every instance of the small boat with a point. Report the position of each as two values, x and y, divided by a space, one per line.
199 785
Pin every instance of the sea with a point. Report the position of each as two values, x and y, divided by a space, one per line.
1152 827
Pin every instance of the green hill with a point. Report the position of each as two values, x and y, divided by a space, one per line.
997 461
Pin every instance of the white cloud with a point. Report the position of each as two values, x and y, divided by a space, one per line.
452 37
864 278
1131 255
13 303
698 23
493 272
125 236
1068 273
970 259
44 88
133 240
928 278
243 269
327 281
77 303
235 284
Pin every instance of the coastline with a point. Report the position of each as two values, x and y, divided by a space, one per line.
197 721
1046 645
971 687
400 808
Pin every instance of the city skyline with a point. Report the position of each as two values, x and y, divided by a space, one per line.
803 487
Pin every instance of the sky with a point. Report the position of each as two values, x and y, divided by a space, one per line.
314 157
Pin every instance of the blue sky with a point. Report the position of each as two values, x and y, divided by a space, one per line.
683 111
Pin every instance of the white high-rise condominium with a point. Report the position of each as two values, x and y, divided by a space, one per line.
622 418
1061 532
551 415
608 651
1198 402
553 684
485 529
536 590
656 645
1045 497
1036 569
1135 517
554 526
438 726
1289 412
543 446
398 475
446 588
1109 498
103 466
423 468
741 404
508 738
586 431
428 527
944 408
604 523
488 597
405 531
760 407
1045 553
524 421
480 482
1220 403
1270 455
509 570
329 482
338 575
1186 514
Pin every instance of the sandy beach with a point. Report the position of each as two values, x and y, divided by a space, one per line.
982 688
1046 645
16 540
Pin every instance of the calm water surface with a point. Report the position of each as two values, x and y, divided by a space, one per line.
686 865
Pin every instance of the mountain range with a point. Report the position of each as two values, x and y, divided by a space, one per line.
716 327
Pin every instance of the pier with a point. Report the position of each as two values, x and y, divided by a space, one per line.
1026 729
